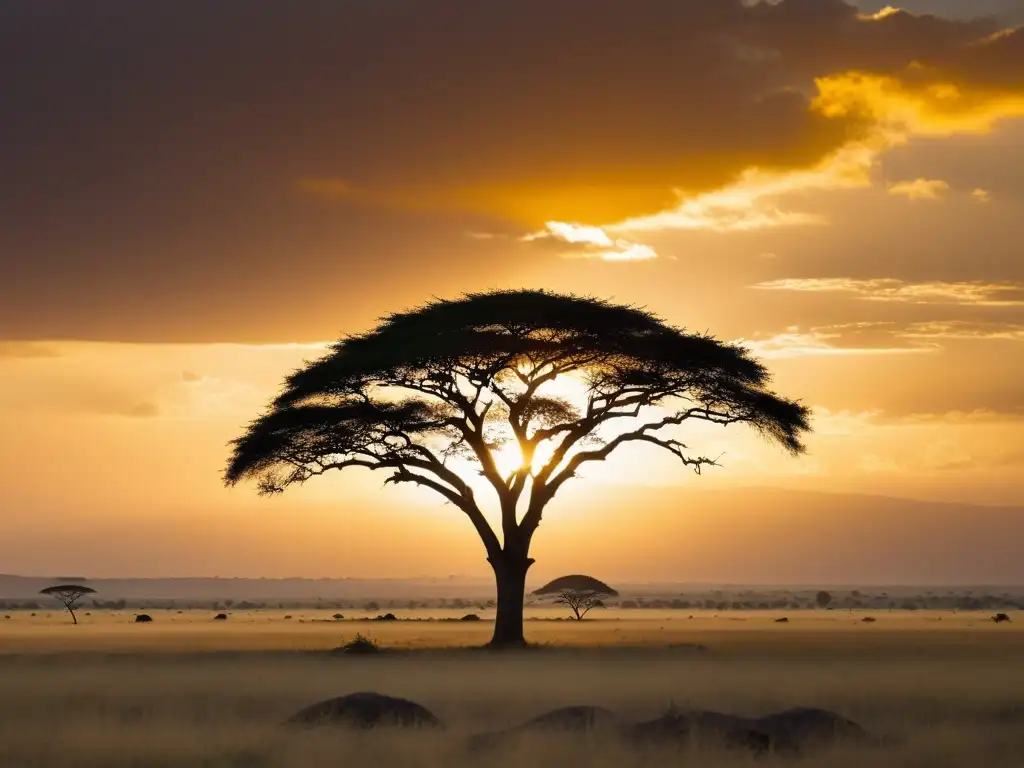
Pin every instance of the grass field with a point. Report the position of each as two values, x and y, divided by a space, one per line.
188 691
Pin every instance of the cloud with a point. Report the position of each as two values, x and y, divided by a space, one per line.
538 150
325 157
876 338
975 293
981 195
965 330
859 339
143 410
202 398
920 189
26 350
575 241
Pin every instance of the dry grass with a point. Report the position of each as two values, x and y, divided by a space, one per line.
109 693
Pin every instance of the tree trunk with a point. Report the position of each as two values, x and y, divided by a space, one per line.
510 576
74 619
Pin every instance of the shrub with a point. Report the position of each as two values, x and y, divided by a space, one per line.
361 646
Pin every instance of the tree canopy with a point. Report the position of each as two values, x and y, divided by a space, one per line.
459 379
576 583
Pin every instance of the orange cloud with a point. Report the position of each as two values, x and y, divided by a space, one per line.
920 189
586 242
884 80
877 338
976 293
827 341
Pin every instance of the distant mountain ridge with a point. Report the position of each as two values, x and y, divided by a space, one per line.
219 588
212 589
672 540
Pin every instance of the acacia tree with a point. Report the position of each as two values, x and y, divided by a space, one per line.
69 595
580 603
448 385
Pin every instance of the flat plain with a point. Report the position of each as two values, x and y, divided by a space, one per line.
186 690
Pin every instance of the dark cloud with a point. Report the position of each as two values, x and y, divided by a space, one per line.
180 170
1006 12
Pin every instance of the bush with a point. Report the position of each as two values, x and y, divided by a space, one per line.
470 617
143 618
361 646
338 617
220 617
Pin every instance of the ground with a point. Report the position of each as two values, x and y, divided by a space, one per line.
186 691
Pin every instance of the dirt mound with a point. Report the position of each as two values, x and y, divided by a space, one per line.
806 728
702 728
367 710
577 718
565 719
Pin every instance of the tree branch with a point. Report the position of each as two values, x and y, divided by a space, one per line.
547 483
483 528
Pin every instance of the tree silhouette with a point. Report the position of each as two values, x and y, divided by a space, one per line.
70 595
460 379
576 582
822 599
580 603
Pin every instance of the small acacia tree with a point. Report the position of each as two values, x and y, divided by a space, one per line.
460 379
580 603
69 595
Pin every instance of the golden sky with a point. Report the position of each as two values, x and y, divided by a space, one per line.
196 198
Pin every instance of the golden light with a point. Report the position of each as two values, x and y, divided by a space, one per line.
592 242
882 14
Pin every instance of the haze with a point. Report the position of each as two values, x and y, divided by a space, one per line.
195 198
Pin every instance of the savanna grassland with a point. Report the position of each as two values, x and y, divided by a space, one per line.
187 691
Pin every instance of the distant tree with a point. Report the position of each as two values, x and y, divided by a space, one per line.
576 583
464 378
822 599
580 603
70 595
